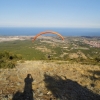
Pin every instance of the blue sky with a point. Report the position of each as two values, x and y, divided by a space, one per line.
50 13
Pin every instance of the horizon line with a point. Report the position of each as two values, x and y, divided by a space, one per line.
47 27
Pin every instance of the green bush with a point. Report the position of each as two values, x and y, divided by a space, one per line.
97 59
8 59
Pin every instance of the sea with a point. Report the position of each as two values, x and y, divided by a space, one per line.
30 31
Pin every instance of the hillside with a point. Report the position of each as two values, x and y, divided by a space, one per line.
59 80
50 69
73 49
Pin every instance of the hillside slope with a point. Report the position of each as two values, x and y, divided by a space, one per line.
50 80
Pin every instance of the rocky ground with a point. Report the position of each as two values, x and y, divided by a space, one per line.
44 80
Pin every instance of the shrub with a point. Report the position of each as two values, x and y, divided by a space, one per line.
8 59
97 59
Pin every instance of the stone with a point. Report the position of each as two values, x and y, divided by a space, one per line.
49 92
10 96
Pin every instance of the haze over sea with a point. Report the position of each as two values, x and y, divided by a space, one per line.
28 31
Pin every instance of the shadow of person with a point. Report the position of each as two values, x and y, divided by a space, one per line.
28 91
66 89
18 96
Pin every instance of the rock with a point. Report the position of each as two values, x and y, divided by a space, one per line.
97 76
18 84
10 96
49 93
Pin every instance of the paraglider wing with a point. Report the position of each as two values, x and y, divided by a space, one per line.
46 32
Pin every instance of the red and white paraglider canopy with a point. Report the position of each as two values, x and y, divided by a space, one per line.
48 32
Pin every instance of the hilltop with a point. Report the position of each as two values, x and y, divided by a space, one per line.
52 80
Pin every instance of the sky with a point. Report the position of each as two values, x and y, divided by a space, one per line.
50 13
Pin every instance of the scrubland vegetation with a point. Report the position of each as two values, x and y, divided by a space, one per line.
71 50
8 59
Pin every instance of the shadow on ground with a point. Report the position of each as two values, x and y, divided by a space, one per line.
28 92
66 89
